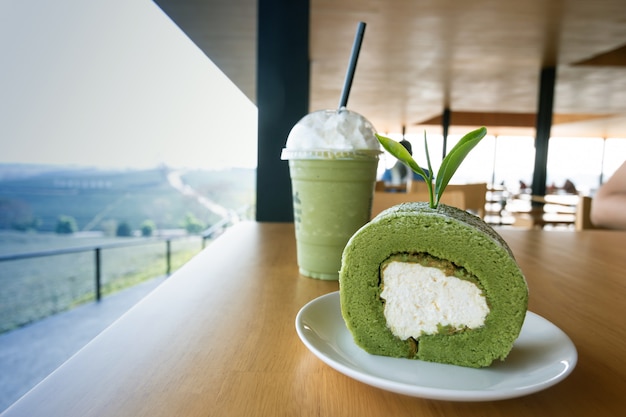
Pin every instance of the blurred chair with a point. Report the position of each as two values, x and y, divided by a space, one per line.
383 200
382 186
416 187
537 218
569 211
583 214
475 194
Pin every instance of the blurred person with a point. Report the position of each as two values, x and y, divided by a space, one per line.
608 206
569 187
400 173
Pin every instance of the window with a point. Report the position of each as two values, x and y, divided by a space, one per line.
576 159
614 156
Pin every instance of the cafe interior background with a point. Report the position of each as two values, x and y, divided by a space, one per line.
546 72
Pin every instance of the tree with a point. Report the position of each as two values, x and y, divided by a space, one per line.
124 230
18 215
147 228
109 227
192 225
66 225
33 223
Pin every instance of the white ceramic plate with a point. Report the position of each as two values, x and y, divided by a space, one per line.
542 356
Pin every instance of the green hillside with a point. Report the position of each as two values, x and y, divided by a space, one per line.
96 199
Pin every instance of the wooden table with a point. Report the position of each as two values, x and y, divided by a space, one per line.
218 339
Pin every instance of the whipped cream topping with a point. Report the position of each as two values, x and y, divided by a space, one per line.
341 130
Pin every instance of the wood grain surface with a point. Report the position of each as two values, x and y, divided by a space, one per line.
218 339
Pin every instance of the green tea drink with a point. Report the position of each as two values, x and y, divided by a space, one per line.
333 158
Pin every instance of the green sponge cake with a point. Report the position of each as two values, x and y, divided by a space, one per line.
436 284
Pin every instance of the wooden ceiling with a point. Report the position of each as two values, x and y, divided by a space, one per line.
480 58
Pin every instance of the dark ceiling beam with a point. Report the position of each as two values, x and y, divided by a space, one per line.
504 119
225 30
613 58
494 119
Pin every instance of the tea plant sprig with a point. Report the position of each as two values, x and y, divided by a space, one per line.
448 167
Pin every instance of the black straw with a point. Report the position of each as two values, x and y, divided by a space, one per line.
356 48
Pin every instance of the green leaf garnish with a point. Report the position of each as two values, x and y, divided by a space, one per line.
448 167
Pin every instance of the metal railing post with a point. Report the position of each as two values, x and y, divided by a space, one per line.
98 276
168 256
208 235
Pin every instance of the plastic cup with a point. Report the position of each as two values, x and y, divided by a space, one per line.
332 198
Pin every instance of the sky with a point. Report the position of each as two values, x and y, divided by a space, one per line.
114 84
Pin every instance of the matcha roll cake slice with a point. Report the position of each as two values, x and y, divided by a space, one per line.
435 284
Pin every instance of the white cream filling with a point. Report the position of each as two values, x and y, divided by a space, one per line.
419 298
